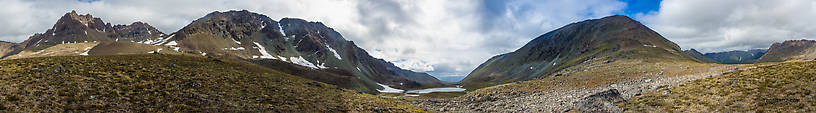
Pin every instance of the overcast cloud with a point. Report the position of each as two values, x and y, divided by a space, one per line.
447 38
725 25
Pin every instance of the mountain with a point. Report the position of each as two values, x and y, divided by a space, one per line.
75 34
612 37
75 28
790 50
256 37
322 53
698 56
8 48
736 57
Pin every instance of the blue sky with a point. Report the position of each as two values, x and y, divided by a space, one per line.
449 38
636 7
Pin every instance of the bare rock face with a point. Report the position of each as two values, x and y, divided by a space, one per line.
790 50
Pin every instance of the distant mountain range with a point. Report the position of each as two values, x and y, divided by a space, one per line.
699 56
295 44
736 57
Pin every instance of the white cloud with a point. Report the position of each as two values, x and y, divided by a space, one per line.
445 38
724 25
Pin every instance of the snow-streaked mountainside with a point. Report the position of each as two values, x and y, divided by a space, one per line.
233 34
252 36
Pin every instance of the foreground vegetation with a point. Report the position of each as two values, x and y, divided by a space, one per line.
784 87
169 83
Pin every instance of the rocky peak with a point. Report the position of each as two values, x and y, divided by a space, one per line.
75 22
75 28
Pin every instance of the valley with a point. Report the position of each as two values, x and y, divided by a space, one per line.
242 61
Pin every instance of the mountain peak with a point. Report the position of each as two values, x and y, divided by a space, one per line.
616 36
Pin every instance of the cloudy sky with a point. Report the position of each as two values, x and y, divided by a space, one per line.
449 38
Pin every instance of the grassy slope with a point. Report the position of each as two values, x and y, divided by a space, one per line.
71 49
785 87
625 65
151 83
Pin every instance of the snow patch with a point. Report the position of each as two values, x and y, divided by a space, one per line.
86 51
86 32
335 52
176 48
203 54
387 89
235 49
161 41
647 45
281 29
303 62
157 51
264 53
237 42
171 43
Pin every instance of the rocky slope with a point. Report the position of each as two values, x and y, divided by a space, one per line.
737 57
699 56
790 50
170 83
252 36
571 45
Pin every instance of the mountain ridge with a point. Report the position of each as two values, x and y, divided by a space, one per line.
618 36
232 34
699 56
790 50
